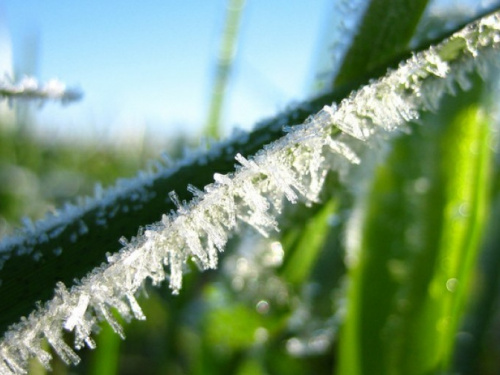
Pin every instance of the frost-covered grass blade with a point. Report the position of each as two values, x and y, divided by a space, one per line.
292 168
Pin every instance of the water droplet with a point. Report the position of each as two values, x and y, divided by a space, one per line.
242 266
295 347
262 307
421 185
238 283
274 258
319 343
397 269
464 209
261 335
452 284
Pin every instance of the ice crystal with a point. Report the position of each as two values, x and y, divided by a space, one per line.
292 168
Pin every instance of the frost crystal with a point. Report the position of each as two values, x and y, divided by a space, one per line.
292 168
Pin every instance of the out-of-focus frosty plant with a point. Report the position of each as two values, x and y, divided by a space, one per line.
30 88
293 169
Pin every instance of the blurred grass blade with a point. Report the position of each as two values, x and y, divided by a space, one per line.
464 219
105 361
474 354
384 32
304 243
419 242
225 61
35 367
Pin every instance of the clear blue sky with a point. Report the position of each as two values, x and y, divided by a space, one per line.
151 62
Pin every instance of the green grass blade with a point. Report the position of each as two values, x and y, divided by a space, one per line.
224 64
419 242
306 240
384 32
474 354
465 216
105 361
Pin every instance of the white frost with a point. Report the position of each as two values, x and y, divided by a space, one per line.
292 168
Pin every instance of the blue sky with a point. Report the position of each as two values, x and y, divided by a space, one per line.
151 63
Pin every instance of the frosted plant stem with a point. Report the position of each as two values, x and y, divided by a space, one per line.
291 168
30 88
51 249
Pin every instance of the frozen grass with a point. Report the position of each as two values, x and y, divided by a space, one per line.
412 242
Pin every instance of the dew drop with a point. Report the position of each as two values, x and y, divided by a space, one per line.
242 266
451 285
274 258
464 209
262 307
421 185
319 343
294 347
261 335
